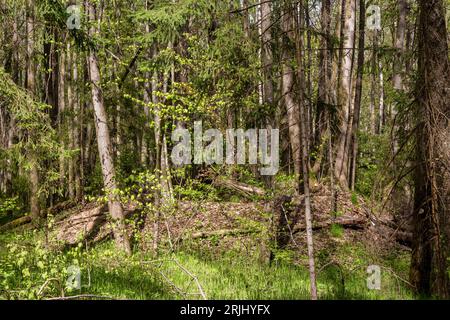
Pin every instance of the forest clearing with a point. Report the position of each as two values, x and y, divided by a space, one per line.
224 150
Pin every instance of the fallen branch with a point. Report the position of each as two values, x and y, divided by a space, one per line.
240 187
41 289
82 296
194 277
15 223
404 237
63 206
27 219
81 226
346 222
184 270
217 233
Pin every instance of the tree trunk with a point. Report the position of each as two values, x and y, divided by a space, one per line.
381 109
267 55
399 65
345 95
104 146
292 107
61 118
400 44
431 215
31 86
304 154
358 91
325 56
373 84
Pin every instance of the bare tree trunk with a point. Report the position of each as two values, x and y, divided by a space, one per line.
431 215
70 99
292 107
31 86
304 156
61 118
104 147
323 90
400 44
267 55
399 64
76 143
157 131
245 18
373 84
381 109
358 93
345 95
145 131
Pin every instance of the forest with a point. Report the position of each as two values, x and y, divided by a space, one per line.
224 150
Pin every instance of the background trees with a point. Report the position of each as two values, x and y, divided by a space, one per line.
90 100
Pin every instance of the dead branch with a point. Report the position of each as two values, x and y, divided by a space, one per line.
15 223
240 187
41 289
83 296
200 289
217 233
346 222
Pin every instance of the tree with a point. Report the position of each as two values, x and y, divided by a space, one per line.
431 213
345 102
303 119
287 84
31 87
358 93
104 144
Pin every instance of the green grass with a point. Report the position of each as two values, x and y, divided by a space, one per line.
336 230
227 275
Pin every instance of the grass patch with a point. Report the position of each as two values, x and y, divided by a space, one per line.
229 275
336 230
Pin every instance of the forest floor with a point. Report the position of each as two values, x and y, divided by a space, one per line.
212 250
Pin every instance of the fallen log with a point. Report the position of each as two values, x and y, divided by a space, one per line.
15 223
346 222
82 225
63 206
240 187
217 233
54 210
90 224
404 238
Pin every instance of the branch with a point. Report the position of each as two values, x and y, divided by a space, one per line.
81 296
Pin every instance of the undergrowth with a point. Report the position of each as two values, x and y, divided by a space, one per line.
29 269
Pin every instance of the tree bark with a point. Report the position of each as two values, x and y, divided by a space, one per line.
431 215
358 91
31 87
292 107
304 155
345 95
104 145
400 44
325 56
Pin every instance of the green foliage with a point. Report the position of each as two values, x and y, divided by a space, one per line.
336 230
29 266
375 150
32 268
354 198
168 17
194 190
37 143
9 207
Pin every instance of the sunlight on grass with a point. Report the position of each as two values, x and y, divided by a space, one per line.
229 275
